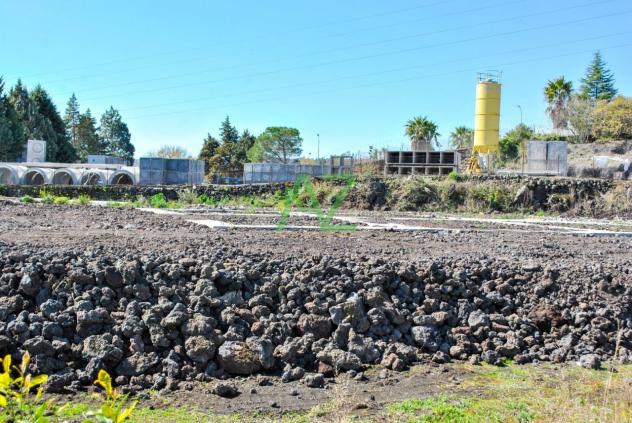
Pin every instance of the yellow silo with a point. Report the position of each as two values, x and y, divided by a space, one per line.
487 123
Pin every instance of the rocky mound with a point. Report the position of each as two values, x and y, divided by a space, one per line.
156 320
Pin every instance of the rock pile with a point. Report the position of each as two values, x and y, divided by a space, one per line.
155 320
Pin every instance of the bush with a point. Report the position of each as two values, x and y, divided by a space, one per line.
83 199
158 201
61 200
613 120
47 196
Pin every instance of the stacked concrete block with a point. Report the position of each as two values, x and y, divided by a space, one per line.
106 160
547 157
159 171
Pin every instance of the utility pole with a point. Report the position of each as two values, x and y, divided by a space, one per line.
520 107
318 151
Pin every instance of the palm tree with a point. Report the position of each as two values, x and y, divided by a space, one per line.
462 137
422 133
557 93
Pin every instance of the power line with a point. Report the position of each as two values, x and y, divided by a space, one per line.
423 34
274 60
425 65
397 81
275 34
365 57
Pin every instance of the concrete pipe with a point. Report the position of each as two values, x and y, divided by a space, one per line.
11 174
93 177
66 177
122 177
37 176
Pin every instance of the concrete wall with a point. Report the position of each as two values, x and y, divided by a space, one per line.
161 171
269 173
547 157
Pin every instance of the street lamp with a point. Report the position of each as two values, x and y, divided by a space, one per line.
318 151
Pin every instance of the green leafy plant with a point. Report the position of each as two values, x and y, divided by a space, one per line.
83 199
27 199
47 196
17 403
158 201
113 409
454 176
61 200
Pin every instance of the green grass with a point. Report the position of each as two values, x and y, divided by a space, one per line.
61 200
158 201
82 200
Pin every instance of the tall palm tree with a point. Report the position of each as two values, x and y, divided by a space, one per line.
462 137
422 133
557 93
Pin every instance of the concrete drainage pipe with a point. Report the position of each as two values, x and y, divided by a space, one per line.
11 174
66 177
37 176
122 177
93 177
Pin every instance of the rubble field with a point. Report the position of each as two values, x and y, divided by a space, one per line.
279 319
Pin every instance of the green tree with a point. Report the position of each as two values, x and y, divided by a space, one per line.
462 137
613 119
227 132
557 94
115 135
422 133
581 118
598 84
87 138
61 149
512 142
10 143
71 120
278 144
209 148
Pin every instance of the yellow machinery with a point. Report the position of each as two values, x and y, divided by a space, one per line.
487 122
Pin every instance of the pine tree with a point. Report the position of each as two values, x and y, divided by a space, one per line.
227 132
88 142
116 136
9 144
598 84
71 120
55 132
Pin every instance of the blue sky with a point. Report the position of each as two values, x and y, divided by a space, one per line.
352 71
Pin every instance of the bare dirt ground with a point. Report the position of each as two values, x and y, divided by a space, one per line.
130 231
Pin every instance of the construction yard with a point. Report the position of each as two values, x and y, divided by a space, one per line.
212 313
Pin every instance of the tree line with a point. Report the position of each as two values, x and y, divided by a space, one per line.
227 154
32 114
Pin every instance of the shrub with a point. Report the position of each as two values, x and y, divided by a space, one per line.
61 200
27 199
187 196
158 201
613 120
47 196
454 176
83 199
